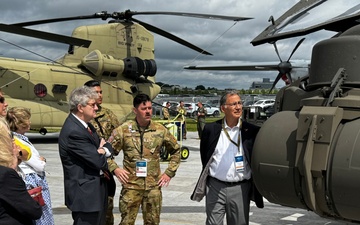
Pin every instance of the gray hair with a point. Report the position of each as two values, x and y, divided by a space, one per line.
81 95
226 95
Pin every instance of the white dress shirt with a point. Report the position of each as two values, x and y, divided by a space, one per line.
222 166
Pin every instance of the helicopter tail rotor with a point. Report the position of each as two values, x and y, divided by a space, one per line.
285 67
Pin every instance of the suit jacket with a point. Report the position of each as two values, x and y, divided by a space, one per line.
209 139
81 165
16 205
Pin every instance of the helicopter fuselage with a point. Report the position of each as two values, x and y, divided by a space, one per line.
121 56
44 89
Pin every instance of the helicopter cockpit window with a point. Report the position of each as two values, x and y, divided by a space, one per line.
40 90
59 88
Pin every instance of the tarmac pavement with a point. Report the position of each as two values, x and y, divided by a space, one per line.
177 207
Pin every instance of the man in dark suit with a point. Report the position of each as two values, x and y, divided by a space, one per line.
225 149
84 159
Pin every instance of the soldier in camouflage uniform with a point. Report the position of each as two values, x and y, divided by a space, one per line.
166 111
141 140
105 122
182 113
201 114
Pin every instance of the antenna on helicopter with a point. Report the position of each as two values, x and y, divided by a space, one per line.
271 19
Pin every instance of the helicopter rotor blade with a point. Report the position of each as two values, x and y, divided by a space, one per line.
235 67
171 37
196 15
288 75
277 51
128 15
44 35
275 81
296 47
103 15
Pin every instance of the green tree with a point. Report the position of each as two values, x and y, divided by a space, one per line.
200 87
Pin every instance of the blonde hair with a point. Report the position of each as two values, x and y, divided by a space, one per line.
18 117
6 145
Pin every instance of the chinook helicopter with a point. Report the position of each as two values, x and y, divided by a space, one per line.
120 54
307 155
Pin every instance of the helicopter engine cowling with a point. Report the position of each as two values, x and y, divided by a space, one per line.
334 53
106 65
312 162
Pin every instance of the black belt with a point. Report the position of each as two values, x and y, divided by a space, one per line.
229 183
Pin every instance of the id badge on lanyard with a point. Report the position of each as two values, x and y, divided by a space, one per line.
239 163
141 168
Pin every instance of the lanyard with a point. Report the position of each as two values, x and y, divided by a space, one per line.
228 136
142 131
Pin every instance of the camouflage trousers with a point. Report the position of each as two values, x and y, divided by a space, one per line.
150 201
109 211
200 125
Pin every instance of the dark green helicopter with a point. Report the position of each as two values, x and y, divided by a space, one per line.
307 155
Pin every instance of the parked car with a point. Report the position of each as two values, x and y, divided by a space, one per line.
264 103
213 103
248 102
157 108
192 107
211 110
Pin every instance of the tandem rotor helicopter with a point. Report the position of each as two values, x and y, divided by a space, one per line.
120 54
307 155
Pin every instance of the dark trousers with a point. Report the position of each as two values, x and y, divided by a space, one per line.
87 218
93 218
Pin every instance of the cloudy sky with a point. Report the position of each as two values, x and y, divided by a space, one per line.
229 42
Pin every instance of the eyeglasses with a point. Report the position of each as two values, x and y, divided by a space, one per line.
2 99
92 105
234 104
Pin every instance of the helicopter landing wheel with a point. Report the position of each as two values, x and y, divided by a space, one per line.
184 153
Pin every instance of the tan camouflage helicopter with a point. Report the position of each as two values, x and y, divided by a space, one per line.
307 155
120 54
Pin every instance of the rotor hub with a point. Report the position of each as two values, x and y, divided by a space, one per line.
285 67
